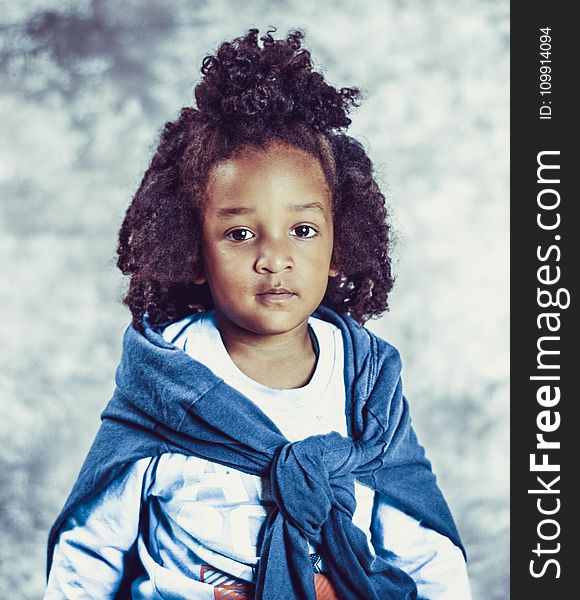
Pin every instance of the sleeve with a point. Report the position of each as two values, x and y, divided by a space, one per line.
430 558
89 555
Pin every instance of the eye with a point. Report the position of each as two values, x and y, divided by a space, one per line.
304 231
239 235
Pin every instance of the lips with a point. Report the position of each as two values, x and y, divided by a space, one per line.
277 295
277 291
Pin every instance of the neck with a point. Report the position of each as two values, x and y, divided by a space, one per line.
285 360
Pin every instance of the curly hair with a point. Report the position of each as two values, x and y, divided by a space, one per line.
251 95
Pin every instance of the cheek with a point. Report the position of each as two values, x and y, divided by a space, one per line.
325 254
227 266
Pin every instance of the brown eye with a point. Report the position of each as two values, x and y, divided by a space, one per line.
239 235
304 231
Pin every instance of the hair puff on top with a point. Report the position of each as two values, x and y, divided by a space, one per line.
275 83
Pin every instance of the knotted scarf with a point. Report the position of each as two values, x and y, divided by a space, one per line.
167 402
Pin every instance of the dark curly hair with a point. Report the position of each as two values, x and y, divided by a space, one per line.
250 96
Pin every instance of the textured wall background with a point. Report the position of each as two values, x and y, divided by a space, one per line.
86 87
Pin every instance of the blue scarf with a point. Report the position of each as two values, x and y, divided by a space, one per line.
166 402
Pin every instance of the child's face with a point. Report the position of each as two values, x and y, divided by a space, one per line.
267 239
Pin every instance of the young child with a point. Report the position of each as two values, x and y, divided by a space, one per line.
258 444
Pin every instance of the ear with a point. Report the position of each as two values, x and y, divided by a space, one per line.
200 279
334 271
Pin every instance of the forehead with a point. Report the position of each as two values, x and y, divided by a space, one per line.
277 173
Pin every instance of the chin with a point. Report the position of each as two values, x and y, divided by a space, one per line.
276 323
276 328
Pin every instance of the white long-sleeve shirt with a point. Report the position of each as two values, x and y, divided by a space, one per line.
189 514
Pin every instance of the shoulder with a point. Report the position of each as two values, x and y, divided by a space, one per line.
178 332
383 350
365 346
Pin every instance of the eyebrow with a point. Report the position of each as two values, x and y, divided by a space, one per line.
235 211
309 206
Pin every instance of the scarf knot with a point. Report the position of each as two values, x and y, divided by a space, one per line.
311 477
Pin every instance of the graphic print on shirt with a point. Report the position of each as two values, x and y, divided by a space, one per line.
230 588
225 586
222 508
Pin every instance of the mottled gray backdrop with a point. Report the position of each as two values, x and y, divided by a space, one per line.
86 86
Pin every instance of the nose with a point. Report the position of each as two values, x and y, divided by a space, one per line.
274 256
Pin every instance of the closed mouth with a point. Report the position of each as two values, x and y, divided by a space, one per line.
276 297
277 292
